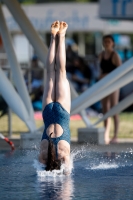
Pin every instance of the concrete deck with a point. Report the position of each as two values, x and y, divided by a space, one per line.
123 145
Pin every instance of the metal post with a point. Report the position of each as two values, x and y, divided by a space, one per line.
14 101
29 80
98 42
16 71
9 111
81 44
9 122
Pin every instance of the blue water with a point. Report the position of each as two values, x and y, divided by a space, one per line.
95 176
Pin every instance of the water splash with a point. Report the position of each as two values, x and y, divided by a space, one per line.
41 172
104 166
78 154
87 159
111 161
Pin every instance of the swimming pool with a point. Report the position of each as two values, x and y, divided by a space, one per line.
95 176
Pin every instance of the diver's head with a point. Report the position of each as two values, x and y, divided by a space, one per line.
52 161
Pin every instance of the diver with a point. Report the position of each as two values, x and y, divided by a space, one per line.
55 144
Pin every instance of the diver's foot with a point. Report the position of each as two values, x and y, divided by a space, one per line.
55 28
114 140
62 29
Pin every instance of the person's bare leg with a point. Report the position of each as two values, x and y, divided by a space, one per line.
62 84
107 125
114 101
107 122
62 91
49 90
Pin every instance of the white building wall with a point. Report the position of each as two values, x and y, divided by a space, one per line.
79 16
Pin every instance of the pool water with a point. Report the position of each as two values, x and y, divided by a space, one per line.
95 176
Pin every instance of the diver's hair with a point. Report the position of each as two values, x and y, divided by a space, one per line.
52 161
110 37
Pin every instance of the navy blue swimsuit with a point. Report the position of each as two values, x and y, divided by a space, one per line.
54 113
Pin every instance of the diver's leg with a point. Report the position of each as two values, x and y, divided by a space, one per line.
62 84
49 90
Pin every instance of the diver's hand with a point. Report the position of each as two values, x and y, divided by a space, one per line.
41 160
67 168
66 172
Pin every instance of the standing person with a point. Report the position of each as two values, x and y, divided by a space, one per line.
55 144
109 60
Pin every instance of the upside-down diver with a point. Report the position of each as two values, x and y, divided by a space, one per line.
55 144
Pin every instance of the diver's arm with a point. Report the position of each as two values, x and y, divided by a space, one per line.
41 160
67 169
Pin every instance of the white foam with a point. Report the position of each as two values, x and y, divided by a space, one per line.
43 173
103 166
